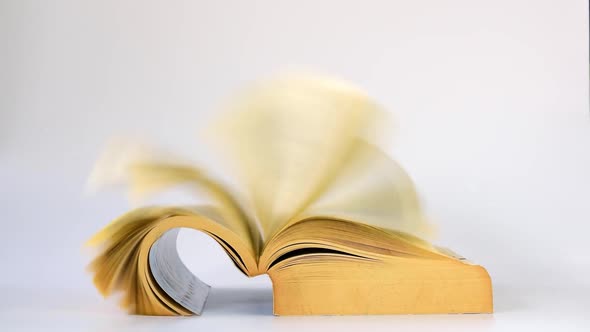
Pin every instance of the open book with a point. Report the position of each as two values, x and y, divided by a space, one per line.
333 221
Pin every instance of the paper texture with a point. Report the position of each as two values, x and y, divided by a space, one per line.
173 276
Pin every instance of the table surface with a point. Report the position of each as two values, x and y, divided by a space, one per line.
250 309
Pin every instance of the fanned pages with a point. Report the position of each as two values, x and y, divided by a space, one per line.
334 222
290 137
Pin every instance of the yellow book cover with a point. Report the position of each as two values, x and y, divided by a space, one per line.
334 222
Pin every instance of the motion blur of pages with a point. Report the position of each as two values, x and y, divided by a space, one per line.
301 145
317 205
297 137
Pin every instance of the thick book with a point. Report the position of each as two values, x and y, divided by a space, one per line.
334 222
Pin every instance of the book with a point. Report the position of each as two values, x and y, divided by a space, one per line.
323 210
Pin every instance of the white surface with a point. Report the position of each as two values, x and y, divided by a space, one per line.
249 309
491 99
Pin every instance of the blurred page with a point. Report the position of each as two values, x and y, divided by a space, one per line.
289 138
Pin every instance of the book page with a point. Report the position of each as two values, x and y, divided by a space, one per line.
175 279
373 189
289 138
146 171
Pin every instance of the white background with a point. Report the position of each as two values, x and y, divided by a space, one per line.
493 124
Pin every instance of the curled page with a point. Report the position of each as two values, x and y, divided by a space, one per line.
137 257
173 276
